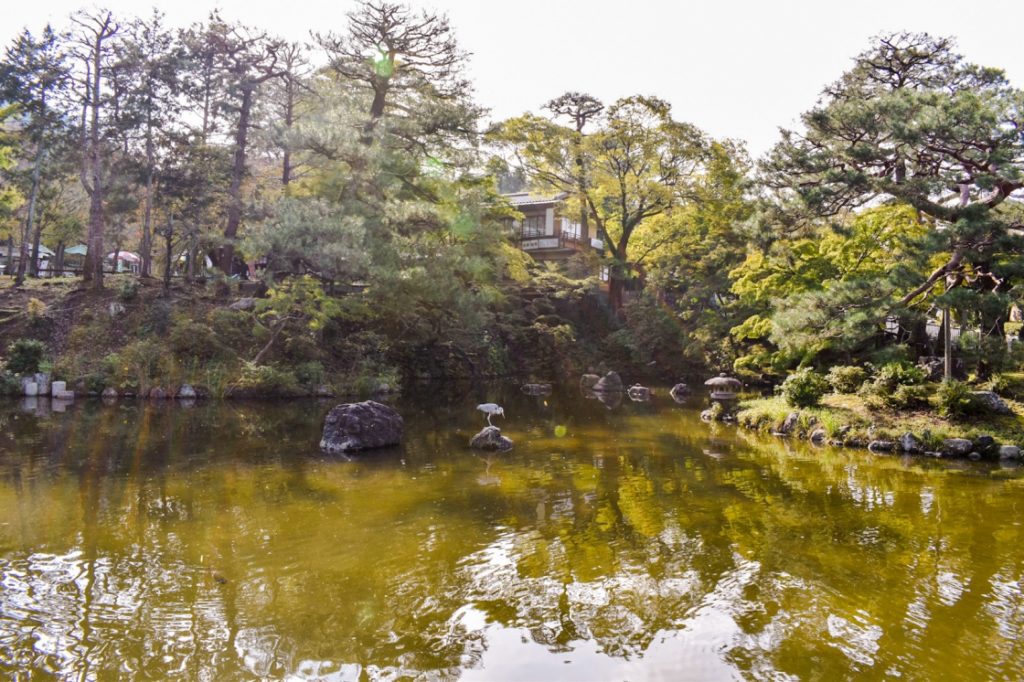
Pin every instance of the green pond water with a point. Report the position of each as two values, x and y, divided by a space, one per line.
631 542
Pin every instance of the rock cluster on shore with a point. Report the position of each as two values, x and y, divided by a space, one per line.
981 447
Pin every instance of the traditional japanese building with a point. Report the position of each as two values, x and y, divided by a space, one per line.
544 232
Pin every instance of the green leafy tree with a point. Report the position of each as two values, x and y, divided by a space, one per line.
298 303
310 235
827 288
689 252
35 76
640 164
146 75
914 123
94 37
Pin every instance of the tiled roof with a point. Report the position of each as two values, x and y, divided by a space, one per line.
529 199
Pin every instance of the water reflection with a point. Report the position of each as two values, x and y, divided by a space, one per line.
150 541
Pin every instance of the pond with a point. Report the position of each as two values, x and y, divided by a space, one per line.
151 541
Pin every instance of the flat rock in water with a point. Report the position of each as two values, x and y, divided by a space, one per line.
360 426
587 381
490 438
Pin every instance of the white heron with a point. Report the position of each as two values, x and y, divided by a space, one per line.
491 409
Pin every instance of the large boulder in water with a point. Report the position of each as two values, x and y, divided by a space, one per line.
609 383
360 426
490 438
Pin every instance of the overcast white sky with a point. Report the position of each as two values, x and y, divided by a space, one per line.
737 69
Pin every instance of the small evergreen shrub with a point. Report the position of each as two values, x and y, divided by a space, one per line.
266 381
309 373
895 374
194 340
128 291
846 378
9 384
142 364
906 397
24 356
804 388
956 402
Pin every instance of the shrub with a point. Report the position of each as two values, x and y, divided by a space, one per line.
234 328
24 356
804 388
955 400
895 374
9 384
189 339
265 381
846 378
35 309
141 363
1007 385
309 373
906 397
128 291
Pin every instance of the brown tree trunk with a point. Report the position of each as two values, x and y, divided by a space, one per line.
289 120
947 346
227 252
94 256
169 236
58 260
30 221
146 247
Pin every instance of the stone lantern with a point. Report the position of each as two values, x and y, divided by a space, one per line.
723 387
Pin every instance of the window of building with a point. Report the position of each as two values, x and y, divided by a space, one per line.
533 226
570 229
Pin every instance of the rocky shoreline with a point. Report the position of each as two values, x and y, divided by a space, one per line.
807 427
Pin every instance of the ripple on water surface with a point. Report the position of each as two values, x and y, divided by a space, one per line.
632 543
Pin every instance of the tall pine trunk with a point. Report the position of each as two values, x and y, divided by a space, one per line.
93 272
146 247
30 220
227 252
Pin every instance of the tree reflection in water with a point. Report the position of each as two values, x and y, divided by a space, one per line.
153 541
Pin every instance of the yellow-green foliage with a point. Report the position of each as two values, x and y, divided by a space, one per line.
192 340
266 380
35 309
140 365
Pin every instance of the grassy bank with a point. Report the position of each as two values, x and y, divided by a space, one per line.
854 420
